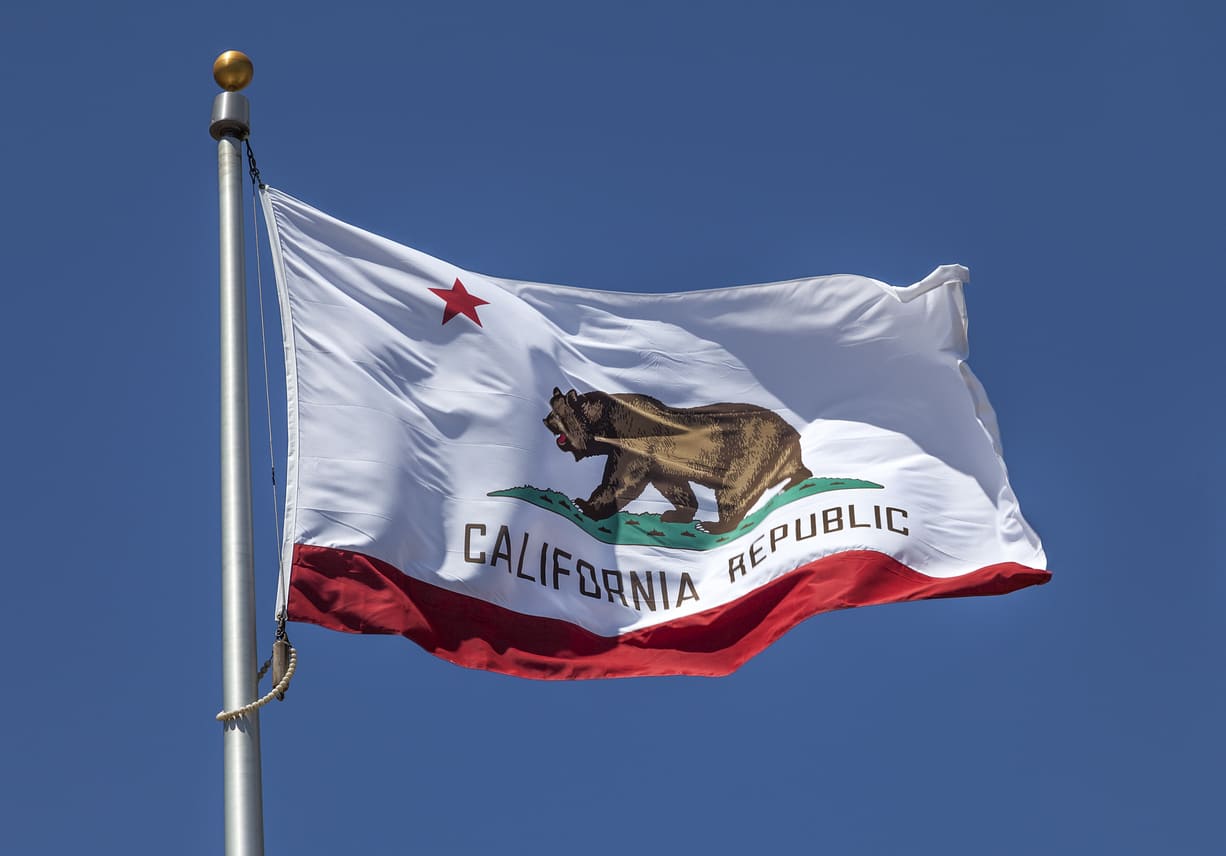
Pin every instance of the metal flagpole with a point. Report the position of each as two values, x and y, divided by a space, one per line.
244 808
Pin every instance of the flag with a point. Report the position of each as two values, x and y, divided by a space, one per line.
558 482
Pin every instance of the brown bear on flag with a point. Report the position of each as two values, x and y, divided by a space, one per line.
737 450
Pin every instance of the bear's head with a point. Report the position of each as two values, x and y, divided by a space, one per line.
568 424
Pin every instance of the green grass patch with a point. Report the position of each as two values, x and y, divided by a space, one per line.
649 529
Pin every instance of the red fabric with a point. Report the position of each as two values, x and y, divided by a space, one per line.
343 590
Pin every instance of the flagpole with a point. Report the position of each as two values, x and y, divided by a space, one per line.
244 811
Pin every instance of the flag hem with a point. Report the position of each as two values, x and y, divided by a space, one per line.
290 514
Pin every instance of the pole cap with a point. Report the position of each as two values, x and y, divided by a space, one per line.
233 70
231 116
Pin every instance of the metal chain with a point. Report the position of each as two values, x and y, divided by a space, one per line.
252 168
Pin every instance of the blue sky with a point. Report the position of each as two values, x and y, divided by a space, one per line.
1068 153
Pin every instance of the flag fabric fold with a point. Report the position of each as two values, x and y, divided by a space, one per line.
557 482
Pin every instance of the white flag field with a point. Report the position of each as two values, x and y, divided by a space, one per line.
558 482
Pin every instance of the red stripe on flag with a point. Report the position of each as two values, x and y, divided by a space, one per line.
343 590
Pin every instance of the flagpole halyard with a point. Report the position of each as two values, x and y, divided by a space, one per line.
244 821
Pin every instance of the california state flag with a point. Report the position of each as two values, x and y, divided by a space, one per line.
557 482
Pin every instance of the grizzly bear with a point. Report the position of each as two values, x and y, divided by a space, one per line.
737 450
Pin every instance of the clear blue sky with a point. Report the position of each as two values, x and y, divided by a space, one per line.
1069 153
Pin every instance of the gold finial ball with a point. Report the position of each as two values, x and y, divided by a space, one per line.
233 70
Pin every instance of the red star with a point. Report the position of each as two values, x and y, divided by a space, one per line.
459 302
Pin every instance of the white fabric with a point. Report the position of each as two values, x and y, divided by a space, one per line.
401 425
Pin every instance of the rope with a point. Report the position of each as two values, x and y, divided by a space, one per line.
279 689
